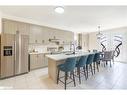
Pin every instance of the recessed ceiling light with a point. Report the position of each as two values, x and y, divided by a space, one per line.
59 10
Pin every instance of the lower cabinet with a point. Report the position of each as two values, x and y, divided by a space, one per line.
37 61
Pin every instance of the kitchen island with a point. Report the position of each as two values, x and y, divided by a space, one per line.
56 59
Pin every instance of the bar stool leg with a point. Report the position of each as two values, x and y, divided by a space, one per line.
85 73
58 76
65 80
91 69
79 75
87 70
94 67
74 78
97 66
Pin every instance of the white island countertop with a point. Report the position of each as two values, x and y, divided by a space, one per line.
55 59
63 56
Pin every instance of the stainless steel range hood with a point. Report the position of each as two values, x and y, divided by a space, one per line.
54 40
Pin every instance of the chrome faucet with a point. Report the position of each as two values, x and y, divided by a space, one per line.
73 48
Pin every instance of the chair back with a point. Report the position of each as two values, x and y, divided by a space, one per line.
82 61
108 55
70 64
90 58
113 54
97 57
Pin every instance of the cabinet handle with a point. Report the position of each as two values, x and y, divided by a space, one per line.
35 41
43 41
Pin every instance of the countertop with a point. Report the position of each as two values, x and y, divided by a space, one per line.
58 57
48 52
39 52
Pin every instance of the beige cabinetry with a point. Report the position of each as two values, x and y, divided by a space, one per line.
11 27
37 61
14 55
41 35
36 35
23 28
7 62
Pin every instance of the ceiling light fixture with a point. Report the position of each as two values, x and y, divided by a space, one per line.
59 10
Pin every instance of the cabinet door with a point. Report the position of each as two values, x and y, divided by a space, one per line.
35 34
23 28
33 61
7 62
24 53
40 60
9 27
45 60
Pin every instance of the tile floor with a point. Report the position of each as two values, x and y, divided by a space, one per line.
106 78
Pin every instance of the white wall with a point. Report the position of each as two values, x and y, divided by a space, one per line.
85 42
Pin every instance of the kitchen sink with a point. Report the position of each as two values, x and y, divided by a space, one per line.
70 53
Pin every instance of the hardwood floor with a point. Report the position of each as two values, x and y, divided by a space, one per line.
106 78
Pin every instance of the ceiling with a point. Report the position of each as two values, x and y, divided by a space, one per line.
75 18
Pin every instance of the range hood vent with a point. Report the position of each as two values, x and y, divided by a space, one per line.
54 40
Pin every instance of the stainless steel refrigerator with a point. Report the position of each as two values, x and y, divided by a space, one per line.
14 54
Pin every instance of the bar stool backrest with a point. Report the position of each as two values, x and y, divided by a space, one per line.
82 61
97 57
90 58
70 64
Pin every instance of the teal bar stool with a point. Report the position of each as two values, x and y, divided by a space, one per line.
81 65
67 67
89 63
97 58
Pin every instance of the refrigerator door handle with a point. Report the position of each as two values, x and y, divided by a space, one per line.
15 51
15 56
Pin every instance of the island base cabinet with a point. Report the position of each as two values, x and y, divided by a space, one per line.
52 68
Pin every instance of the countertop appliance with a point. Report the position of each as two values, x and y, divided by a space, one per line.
14 55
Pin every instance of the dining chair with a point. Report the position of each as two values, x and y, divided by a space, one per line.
107 57
113 56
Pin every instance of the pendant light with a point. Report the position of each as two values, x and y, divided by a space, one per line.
99 34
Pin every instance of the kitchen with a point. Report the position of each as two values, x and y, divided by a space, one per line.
40 40
30 50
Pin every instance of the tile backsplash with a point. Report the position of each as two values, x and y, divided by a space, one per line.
44 48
